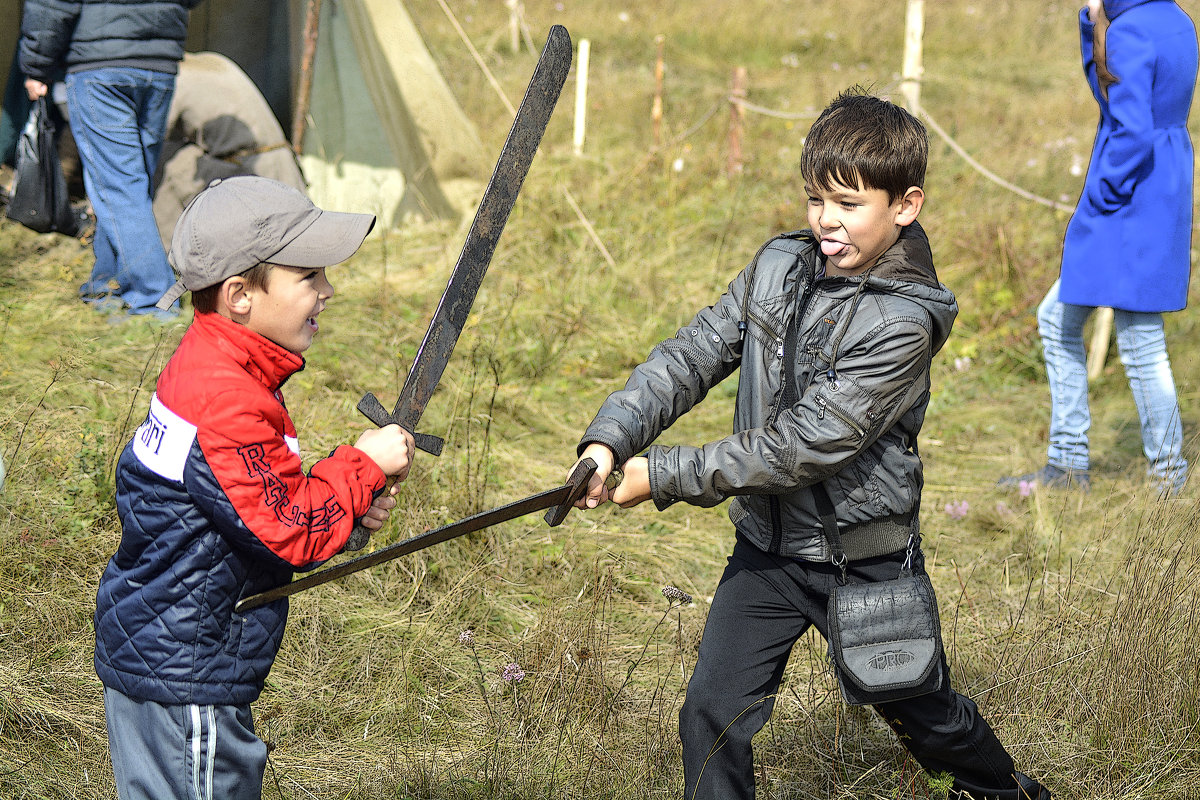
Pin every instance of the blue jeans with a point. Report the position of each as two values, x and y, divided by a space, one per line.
1143 349
119 119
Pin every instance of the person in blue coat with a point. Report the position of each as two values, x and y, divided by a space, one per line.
1128 243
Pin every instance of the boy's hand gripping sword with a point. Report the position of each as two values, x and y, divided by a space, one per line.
494 207
558 501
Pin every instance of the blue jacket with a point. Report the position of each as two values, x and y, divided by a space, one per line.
88 34
1128 244
215 507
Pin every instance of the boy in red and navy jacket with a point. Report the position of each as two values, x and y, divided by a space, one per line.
213 500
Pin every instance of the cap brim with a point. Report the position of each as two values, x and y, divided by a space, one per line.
332 238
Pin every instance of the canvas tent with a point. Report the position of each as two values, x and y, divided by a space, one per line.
385 134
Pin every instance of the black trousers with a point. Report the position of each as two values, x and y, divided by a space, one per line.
763 604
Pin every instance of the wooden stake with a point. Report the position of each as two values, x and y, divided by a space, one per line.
312 19
914 31
581 80
737 120
656 111
1098 350
514 24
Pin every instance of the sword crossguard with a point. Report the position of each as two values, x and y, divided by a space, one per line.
578 481
373 410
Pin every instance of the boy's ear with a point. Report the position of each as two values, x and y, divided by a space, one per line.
234 296
910 205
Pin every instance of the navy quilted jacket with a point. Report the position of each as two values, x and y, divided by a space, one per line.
86 34
215 507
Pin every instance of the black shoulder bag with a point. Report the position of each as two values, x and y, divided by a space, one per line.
885 637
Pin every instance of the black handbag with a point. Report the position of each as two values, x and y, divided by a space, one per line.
885 637
39 198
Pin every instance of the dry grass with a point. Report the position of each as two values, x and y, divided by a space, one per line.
1070 618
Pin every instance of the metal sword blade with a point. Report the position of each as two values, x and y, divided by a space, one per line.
490 218
558 500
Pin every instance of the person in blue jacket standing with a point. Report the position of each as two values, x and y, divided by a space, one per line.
121 58
1128 243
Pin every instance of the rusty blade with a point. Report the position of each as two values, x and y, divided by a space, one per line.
497 202
558 500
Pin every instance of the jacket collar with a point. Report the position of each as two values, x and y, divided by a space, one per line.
1114 8
909 259
266 361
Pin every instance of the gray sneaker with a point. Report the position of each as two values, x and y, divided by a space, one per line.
1051 477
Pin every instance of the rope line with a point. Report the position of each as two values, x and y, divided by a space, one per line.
953 145
956 147
768 112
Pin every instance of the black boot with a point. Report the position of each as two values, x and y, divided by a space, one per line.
1027 789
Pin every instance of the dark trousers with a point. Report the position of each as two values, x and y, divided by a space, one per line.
763 604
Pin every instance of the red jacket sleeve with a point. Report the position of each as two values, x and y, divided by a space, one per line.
251 448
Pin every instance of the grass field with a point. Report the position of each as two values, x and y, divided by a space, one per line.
1071 618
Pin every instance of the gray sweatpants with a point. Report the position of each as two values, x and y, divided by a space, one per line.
189 752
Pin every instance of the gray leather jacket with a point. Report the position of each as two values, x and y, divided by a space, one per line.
861 360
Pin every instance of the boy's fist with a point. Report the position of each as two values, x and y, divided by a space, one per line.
391 447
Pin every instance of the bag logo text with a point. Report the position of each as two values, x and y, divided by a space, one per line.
891 659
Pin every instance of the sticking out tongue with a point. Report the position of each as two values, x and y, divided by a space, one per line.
831 248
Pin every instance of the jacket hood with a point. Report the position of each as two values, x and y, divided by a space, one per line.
906 269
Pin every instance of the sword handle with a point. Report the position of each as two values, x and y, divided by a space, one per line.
578 482
373 410
358 539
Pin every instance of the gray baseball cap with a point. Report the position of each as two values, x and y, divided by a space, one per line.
239 222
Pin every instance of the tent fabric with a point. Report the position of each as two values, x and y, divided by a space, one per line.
385 135
219 126
377 90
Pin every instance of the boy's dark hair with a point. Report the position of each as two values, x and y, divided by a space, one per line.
204 301
865 141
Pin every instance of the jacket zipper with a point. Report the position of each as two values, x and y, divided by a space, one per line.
824 405
775 506
776 526
770 329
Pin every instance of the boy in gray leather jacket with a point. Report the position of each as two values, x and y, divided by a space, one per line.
833 329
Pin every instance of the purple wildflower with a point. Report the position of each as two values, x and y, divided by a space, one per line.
1025 488
957 510
467 638
513 673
